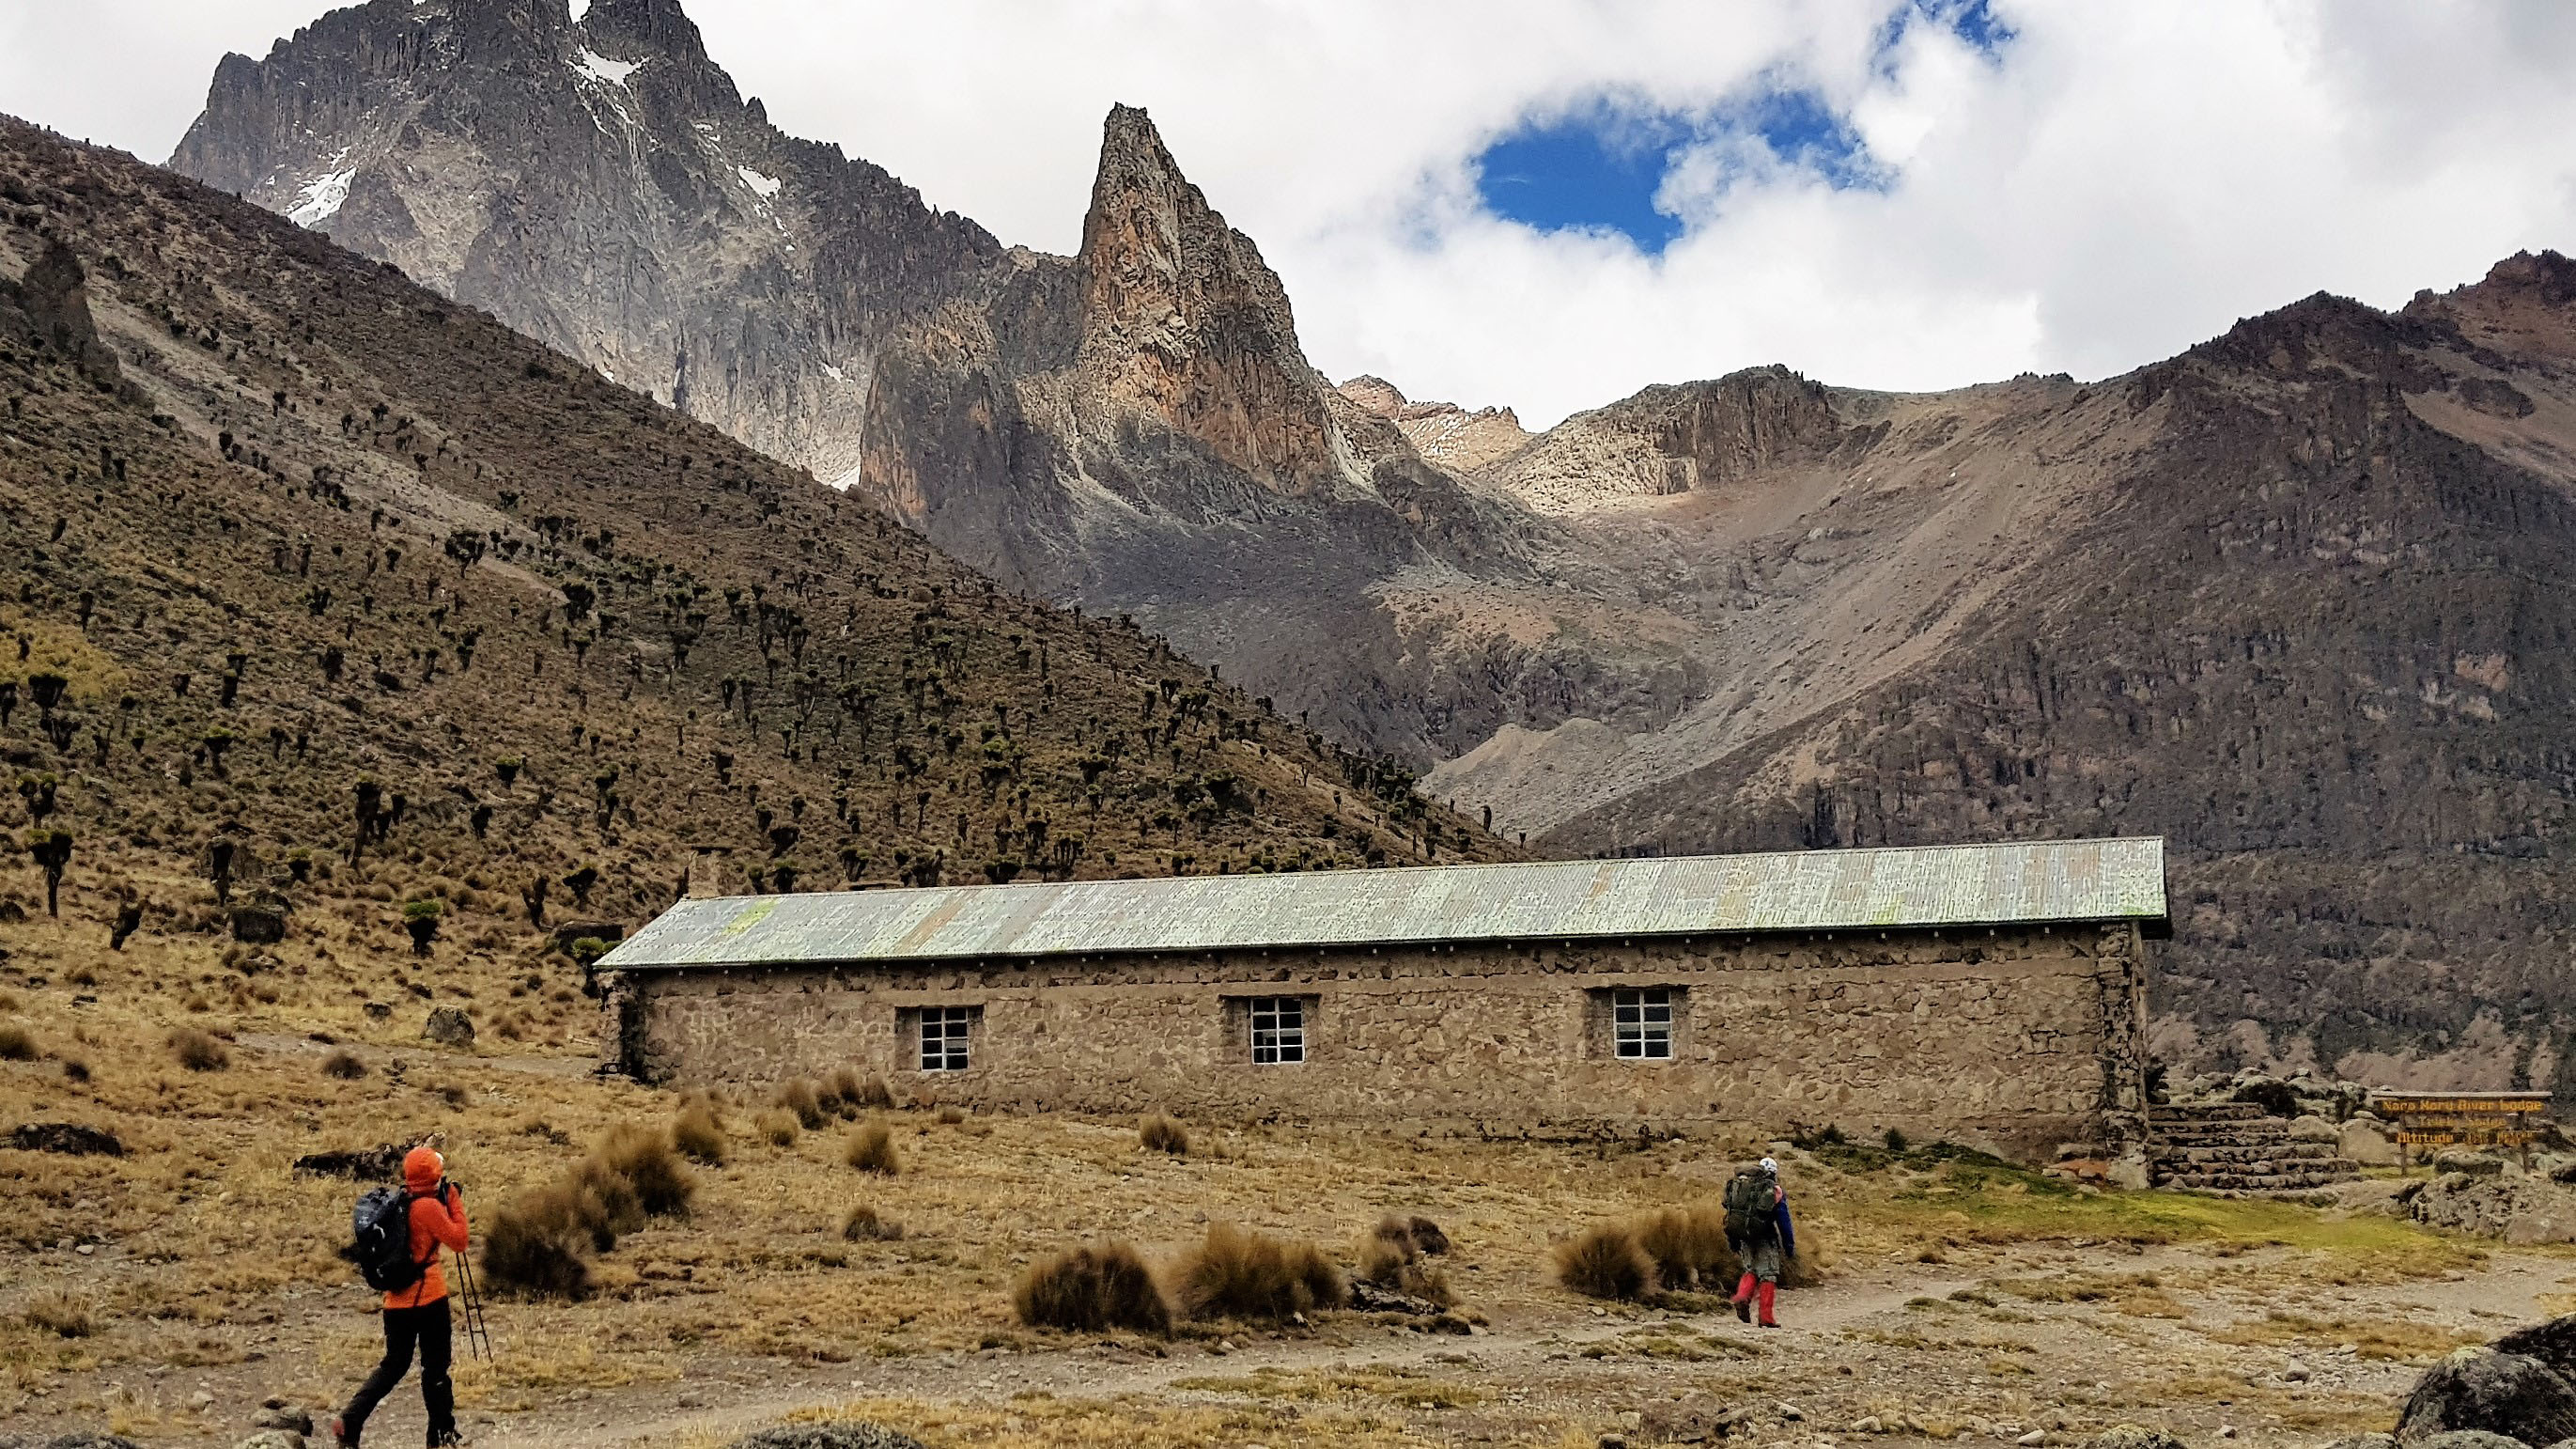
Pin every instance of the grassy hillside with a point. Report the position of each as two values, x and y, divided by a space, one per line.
335 597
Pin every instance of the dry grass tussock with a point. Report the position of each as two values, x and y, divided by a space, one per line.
343 1066
699 1134
798 1096
1606 1261
542 1244
777 1126
1238 1274
17 1045
1160 1133
59 1312
199 1051
866 1225
1392 1257
1091 1289
848 1093
1689 1247
871 1148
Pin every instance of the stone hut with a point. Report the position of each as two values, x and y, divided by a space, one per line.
1988 994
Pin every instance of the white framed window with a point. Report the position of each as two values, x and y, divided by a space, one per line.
1278 1029
1641 1022
945 1034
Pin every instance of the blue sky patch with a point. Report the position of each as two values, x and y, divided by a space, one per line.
1973 21
1598 168
1595 170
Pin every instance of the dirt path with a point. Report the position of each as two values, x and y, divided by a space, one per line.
1542 1363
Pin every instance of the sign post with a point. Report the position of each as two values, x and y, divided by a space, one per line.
2475 1119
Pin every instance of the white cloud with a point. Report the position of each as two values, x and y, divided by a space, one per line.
2128 181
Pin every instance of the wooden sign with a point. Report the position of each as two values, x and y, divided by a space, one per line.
2473 1119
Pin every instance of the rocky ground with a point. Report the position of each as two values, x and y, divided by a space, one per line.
168 1293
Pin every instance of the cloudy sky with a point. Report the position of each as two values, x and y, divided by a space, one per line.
1548 205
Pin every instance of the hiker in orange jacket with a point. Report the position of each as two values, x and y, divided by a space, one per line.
417 1315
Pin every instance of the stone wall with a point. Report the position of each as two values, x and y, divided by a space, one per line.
2014 1039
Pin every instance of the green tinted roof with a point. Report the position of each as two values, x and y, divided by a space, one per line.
1815 890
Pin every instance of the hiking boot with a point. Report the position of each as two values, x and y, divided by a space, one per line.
1744 1310
446 1439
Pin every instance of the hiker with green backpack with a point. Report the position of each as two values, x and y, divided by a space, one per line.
1757 1228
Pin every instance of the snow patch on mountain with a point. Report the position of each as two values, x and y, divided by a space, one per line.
603 70
320 199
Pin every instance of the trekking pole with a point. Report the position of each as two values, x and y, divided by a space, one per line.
478 1337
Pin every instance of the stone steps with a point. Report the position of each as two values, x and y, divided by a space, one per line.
2335 1170
2222 1137
2282 1151
2207 1112
2232 1147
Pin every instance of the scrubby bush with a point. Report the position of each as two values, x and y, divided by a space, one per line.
602 1202
199 1051
1160 1133
849 1094
699 1134
651 1165
1250 1275
871 1148
1427 1236
778 1125
343 1065
1605 1261
1688 1245
797 1095
58 1312
539 1245
1090 1289
2277 1099
16 1045
952 1116
866 1225
1391 1257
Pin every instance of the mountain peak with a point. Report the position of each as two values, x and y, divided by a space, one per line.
1184 321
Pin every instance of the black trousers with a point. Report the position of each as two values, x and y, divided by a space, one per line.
426 1326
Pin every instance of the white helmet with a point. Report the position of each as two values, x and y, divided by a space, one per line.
1770 1167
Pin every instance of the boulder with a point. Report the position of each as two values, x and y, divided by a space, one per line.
275 1415
2469 1439
2518 1210
2313 1128
449 1026
2468 1160
2365 1441
842 1434
2553 1343
2365 1140
1698 1419
2502 1393
258 925
273 1439
69 1138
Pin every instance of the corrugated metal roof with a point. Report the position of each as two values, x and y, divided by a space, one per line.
1816 890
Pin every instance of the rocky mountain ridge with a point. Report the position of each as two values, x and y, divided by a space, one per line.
1753 610
333 598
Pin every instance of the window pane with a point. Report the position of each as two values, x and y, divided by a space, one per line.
1278 1030
944 1031
1641 1022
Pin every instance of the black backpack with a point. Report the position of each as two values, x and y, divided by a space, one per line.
1751 1197
380 1233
